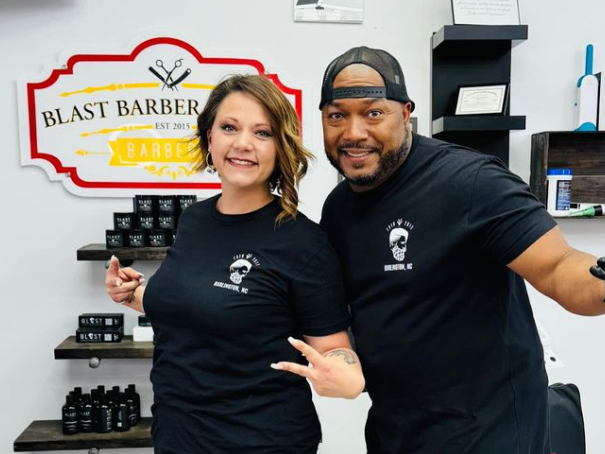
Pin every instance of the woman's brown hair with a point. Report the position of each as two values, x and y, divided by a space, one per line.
292 158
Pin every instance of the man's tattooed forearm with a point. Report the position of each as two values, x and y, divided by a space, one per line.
346 356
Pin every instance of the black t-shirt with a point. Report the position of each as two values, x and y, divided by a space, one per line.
222 305
443 328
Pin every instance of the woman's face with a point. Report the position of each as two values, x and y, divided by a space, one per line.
242 144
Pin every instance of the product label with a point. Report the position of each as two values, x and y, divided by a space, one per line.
114 241
136 240
92 321
106 419
157 241
123 222
166 222
563 195
85 423
132 413
144 205
166 205
146 222
98 337
184 202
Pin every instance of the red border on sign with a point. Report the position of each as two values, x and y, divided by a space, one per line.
56 73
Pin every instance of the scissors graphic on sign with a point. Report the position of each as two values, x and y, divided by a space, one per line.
168 79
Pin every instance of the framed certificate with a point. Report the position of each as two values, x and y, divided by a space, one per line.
482 99
482 12
344 11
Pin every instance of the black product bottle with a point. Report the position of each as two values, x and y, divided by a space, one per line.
132 407
105 416
96 409
69 416
101 389
121 414
85 414
137 401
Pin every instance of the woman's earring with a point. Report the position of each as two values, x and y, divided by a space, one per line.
275 184
209 167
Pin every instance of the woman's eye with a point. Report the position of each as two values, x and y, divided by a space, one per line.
228 127
265 133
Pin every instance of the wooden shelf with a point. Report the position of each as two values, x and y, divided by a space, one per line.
48 436
478 123
99 251
582 152
449 33
70 349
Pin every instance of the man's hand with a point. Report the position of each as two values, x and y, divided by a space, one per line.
598 270
121 283
337 374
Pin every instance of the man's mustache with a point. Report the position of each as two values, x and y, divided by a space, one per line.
357 145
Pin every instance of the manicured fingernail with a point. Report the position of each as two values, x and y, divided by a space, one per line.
292 340
142 280
118 283
141 275
276 366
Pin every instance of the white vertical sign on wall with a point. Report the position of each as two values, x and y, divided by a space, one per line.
124 124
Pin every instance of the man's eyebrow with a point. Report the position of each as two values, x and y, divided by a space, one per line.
367 101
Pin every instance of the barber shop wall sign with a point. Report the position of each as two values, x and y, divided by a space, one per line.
115 125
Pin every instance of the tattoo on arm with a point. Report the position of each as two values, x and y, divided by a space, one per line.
346 356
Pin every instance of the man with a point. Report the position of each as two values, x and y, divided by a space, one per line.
435 241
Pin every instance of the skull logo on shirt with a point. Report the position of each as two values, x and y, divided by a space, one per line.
398 240
239 270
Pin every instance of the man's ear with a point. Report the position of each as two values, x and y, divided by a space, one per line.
406 109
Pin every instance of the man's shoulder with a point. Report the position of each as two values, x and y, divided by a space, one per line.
452 154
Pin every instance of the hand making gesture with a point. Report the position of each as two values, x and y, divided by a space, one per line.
124 285
335 373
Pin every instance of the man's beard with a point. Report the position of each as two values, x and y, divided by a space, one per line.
388 162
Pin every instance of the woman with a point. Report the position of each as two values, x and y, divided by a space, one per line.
246 272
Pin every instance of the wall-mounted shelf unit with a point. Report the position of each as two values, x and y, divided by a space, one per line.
582 152
464 55
48 436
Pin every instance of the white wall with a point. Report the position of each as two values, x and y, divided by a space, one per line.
44 288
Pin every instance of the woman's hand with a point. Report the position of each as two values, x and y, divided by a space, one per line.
121 283
335 373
